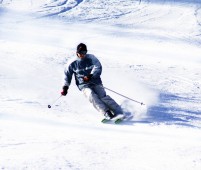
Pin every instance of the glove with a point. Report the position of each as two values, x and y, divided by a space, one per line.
87 78
65 91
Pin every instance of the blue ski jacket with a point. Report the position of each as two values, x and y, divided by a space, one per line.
83 67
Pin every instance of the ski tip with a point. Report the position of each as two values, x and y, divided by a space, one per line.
105 120
118 121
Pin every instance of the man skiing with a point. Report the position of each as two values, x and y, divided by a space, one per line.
87 71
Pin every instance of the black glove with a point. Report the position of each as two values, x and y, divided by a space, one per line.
87 78
65 91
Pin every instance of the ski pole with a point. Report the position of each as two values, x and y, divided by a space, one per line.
49 106
124 96
120 94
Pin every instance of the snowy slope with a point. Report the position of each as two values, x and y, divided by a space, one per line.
149 51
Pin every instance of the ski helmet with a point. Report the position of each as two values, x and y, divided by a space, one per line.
82 48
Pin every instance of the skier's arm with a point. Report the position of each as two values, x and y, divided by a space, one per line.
68 72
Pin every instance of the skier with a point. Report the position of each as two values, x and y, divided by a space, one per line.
87 71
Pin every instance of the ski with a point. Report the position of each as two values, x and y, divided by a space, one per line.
118 119
105 120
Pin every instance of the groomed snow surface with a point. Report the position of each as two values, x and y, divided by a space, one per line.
150 52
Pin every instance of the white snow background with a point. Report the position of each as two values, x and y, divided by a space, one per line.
150 52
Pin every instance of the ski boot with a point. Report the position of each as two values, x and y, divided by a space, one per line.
117 118
109 115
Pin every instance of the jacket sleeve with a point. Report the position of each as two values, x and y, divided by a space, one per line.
97 67
68 73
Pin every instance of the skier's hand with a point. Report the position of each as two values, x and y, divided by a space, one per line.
65 91
87 78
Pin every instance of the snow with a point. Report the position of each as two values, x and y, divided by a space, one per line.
150 52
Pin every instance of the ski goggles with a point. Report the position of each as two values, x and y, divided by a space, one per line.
82 52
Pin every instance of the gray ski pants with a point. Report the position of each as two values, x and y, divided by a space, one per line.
100 100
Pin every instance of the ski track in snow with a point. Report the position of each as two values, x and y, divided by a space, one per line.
59 7
149 51
133 14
